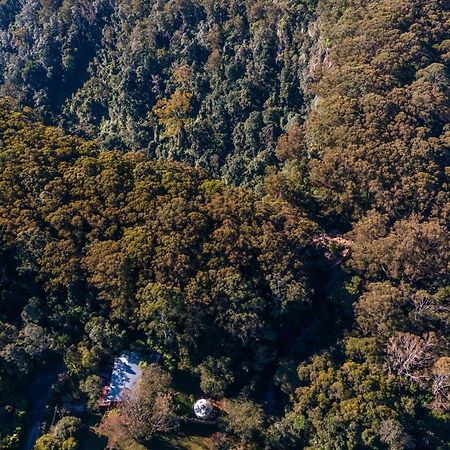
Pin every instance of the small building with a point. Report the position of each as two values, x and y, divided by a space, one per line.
125 375
203 409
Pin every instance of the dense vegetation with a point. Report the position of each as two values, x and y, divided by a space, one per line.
115 248
314 303
207 82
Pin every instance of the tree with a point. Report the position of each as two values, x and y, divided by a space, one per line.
342 404
66 428
381 310
409 355
112 427
46 442
173 115
145 411
63 436
215 376
91 387
413 250
244 418
393 434
441 384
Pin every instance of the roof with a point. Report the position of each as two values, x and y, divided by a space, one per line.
126 373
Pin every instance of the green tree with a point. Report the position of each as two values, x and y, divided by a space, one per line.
244 418
215 376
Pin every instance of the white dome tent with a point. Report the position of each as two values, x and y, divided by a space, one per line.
202 408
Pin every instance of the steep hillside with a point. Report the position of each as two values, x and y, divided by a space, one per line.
212 83
106 250
256 191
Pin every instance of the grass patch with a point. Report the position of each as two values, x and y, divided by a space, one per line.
190 443
190 437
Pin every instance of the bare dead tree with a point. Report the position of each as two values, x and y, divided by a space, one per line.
143 417
409 355
144 411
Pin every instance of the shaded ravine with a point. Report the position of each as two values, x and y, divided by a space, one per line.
322 313
38 395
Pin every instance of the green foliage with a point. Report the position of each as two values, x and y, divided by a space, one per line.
377 140
51 442
208 83
336 110
378 131
66 428
344 405
63 437
91 387
215 376
46 442
187 267
119 250
244 418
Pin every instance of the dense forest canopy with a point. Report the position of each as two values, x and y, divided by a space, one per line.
127 249
212 83
381 124
257 191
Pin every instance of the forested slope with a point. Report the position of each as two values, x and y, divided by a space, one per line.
226 75
313 304
378 136
108 249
